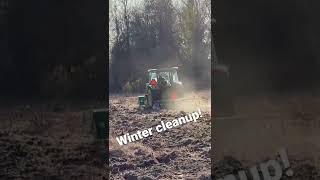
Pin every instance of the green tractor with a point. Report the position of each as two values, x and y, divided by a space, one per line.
162 90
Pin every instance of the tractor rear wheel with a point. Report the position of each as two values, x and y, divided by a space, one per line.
150 101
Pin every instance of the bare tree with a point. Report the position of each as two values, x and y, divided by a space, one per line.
126 22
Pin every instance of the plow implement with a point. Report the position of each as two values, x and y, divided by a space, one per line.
165 103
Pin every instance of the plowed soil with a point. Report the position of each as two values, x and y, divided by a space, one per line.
182 152
262 125
40 141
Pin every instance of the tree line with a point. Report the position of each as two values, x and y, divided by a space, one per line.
55 49
158 33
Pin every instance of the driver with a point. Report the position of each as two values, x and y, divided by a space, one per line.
162 82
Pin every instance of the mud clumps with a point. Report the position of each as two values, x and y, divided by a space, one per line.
147 163
302 169
172 154
121 167
32 157
228 165
39 143
166 158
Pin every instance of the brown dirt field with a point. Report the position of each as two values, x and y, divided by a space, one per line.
43 141
182 152
264 124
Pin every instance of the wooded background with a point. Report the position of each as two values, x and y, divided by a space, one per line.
270 45
55 49
147 34
59 49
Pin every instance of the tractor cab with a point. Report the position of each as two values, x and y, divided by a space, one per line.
165 76
163 87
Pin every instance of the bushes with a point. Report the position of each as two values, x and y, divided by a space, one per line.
136 86
83 80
